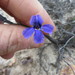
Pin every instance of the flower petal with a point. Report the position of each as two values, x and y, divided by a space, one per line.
40 19
28 32
48 28
36 19
38 36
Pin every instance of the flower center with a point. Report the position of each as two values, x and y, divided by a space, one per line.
37 26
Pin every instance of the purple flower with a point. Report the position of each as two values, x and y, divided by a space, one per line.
37 29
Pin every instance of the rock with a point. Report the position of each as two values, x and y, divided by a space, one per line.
3 13
31 62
